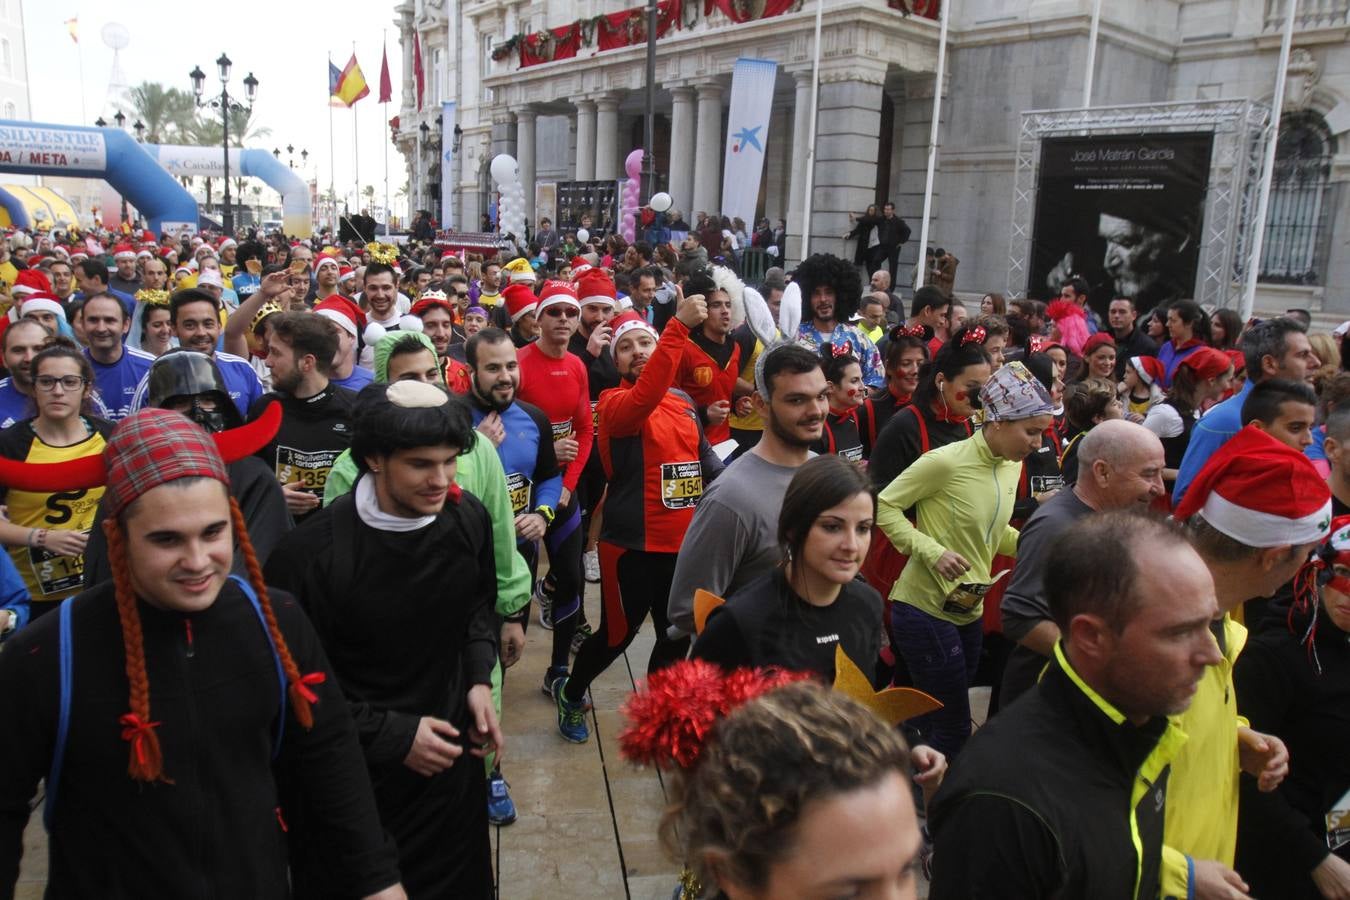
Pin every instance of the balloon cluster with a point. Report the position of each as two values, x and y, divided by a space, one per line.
631 195
511 205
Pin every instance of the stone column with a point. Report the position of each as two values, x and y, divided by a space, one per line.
406 33
585 168
708 153
801 143
525 156
682 131
607 138
848 124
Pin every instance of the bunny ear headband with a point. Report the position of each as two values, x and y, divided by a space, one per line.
773 336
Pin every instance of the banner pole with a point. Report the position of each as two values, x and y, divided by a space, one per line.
1268 167
1092 52
810 187
332 161
932 143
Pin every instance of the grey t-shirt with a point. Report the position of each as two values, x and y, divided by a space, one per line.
733 538
1024 605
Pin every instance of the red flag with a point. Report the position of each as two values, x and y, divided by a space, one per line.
386 86
417 68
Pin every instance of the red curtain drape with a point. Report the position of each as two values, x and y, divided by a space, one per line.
747 10
624 29
562 42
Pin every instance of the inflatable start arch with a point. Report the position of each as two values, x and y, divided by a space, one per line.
209 162
35 148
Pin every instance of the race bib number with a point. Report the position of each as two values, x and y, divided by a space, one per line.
595 415
310 469
562 430
518 487
1338 824
56 574
852 454
1040 484
681 484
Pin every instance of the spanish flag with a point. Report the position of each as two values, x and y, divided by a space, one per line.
346 86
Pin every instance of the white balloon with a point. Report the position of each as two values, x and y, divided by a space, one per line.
660 202
504 169
583 235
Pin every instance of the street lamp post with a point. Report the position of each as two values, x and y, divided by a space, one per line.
226 106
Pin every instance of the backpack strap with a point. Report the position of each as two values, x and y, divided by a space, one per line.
247 588
67 665
924 443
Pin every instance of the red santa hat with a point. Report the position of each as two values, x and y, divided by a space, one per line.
520 300
226 244
432 300
345 273
1260 492
448 254
123 251
31 281
61 250
596 287
324 259
78 253
166 252
144 253
42 303
556 292
579 267
148 236
626 323
348 316
1150 369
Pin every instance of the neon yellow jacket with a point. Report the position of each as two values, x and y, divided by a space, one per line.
1202 795
963 495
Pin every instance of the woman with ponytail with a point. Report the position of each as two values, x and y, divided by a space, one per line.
175 700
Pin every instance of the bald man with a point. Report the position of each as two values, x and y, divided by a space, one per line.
1119 467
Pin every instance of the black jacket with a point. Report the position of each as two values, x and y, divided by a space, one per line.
1038 805
1136 343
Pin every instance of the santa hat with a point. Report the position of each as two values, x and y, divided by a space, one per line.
61 251
447 254
211 277
31 281
144 254
627 323
432 300
519 270
520 301
123 251
321 261
42 303
1206 362
596 287
1150 369
1260 492
78 253
166 252
345 273
556 292
148 236
580 267
348 316
226 244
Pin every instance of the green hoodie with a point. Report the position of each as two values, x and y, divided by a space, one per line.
963 495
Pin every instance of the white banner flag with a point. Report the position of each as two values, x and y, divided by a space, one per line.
447 164
747 136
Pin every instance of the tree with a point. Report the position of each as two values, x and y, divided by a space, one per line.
167 113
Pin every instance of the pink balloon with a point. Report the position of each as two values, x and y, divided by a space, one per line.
633 164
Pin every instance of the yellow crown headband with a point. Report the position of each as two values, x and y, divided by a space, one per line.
383 253
152 297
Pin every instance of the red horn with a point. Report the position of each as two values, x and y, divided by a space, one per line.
236 443
76 474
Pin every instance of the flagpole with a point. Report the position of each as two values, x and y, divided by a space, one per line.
919 267
356 155
384 116
332 159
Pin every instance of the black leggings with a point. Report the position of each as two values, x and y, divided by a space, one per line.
564 541
633 583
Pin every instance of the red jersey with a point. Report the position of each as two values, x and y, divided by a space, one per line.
654 452
701 377
559 388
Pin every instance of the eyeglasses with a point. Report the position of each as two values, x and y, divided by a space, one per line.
556 311
461 294
48 383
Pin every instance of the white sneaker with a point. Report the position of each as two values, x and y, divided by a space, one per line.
590 561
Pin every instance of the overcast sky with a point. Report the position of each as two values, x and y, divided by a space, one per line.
284 45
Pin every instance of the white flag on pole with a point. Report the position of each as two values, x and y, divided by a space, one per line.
747 136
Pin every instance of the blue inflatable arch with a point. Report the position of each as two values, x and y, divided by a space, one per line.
209 162
36 148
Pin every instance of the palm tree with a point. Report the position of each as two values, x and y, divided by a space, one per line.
166 112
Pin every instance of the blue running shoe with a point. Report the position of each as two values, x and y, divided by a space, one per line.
571 716
544 600
501 811
551 675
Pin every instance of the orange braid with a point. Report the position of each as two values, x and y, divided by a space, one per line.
296 690
147 759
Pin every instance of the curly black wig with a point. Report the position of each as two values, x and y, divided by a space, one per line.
826 268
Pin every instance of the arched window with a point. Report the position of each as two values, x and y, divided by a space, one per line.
1298 222
11 111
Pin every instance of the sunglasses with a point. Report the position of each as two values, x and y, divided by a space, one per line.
556 311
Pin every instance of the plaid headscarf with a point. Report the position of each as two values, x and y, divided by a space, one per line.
153 447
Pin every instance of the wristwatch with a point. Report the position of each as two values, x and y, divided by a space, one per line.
547 512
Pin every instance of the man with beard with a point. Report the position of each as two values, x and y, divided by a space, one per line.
831 290
438 323
711 360
381 298
118 369
22 341
399 579
326 274
316 424
524 441
195 317
348 322
733 538
125 279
